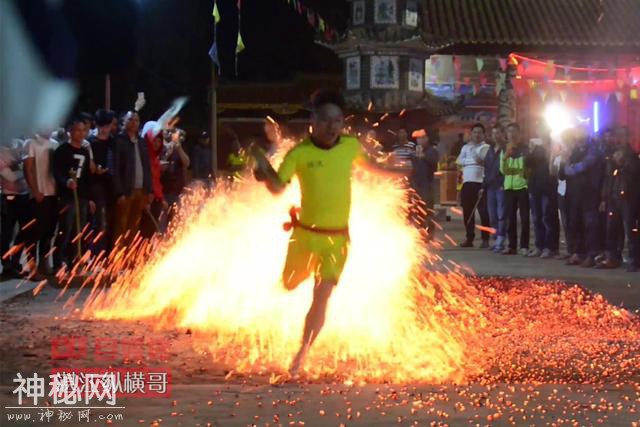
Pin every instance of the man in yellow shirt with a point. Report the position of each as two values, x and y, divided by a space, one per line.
319 243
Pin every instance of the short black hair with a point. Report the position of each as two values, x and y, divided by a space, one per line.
514 125
85 117
326 96
478 125
74 121
104 117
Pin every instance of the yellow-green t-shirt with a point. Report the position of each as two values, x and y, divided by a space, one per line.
325 180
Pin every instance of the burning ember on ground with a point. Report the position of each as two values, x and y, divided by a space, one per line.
392 318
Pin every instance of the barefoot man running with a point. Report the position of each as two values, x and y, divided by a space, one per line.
320 240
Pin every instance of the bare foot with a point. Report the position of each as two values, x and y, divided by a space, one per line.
297 362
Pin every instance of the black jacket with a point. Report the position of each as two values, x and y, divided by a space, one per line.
540 179
621 181
124 163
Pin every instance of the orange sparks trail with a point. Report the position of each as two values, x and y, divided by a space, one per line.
390 318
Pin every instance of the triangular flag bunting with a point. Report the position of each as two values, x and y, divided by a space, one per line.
213 54
216 13
479 64
563 95
239 44
542 93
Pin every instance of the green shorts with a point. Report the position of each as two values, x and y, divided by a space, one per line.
314 253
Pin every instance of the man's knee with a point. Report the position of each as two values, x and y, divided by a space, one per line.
291 279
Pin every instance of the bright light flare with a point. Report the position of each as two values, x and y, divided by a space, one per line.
558 118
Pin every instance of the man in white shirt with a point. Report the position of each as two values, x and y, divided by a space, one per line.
39 175
14 209
471 160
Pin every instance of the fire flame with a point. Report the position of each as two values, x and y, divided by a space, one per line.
390 318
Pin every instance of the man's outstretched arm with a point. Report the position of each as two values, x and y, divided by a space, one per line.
265 172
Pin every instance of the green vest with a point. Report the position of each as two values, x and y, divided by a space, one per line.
514 172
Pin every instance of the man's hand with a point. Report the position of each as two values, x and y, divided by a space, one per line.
100 170
72 184
508 151
149 199
259 175
38 196
618 157
92 207
165 205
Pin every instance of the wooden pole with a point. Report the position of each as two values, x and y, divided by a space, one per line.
213 134
107 91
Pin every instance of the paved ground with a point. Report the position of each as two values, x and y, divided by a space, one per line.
202 396
617 286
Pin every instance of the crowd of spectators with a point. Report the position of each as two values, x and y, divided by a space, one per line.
101 176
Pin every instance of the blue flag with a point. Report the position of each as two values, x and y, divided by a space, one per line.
213 54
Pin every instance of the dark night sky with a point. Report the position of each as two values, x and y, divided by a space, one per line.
160 46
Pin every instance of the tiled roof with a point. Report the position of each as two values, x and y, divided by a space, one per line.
532 23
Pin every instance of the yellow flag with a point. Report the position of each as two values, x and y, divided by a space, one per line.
239 44
216 14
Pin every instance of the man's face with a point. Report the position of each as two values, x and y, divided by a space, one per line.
87 128
114 126
609 138
327 123
157 142
271 132
622 136
403 136
132 122
497 136
477 135
424 141
77 132
104 129
513 135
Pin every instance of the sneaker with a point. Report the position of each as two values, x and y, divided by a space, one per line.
484 244
600 258
607 264
546 254
524 251
534 253
466 244
35 276
508 251
588 262
574 259
498 249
